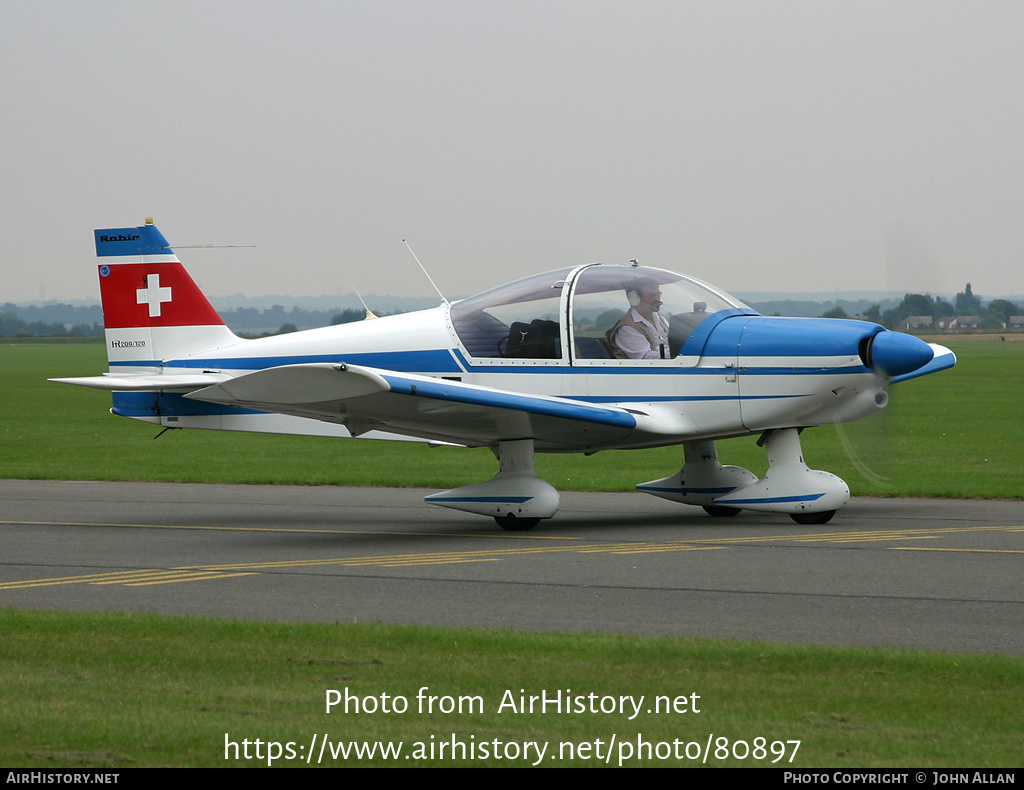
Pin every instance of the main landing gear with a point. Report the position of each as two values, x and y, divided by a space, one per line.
809 496
516 497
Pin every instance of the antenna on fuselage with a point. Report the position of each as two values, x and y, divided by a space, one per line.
209 246
369 313
413 254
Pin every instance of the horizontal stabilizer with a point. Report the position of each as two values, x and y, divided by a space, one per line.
143 382
291 385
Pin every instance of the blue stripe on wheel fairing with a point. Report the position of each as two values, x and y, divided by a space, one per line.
769 499
518 500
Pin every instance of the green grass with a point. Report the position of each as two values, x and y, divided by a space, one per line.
953 434
131 690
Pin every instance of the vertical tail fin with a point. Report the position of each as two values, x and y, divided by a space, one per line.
153 312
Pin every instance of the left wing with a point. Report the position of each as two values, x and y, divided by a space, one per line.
365 399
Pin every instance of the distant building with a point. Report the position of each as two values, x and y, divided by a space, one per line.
1016 322
916 322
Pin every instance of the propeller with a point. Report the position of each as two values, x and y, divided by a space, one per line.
889 355
869 443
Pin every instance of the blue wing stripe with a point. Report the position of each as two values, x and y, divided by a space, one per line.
552 407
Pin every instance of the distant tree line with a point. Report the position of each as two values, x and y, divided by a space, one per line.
995 316
277 320
346 316
64 320
13 325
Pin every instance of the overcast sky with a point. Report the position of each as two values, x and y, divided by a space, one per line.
762 146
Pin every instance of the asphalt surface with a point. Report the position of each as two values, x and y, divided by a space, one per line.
933 574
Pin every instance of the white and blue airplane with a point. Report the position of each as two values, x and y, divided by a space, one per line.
526 367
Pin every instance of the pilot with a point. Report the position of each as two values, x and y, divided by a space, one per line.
642 333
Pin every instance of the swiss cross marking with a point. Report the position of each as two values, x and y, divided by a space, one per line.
153 294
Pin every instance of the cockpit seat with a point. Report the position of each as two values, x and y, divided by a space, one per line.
594 348
482 334
538 339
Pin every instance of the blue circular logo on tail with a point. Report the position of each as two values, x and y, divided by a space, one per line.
104 271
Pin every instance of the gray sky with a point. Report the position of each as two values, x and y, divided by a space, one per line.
762 146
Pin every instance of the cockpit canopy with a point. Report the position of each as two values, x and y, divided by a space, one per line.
534 317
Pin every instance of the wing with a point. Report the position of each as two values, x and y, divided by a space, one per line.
365 399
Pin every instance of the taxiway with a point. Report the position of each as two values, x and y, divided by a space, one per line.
933 574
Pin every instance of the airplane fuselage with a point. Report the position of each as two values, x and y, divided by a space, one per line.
736 386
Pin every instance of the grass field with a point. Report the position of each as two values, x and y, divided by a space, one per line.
954 434
125 690
132 691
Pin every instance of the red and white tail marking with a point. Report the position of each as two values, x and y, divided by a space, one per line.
153 294
153 311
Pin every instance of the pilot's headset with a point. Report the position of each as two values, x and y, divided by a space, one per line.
633 292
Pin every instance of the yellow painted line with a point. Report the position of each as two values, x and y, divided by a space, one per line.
966 551
491 535
84 579
844 537
126 578
167 577
193 578
141 576
882 538
440 558
151 576
860 536
667 548
646 548
433 562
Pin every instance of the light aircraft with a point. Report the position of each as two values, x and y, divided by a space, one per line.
526 367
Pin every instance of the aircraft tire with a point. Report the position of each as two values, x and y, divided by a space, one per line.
813 518
721 511
511 523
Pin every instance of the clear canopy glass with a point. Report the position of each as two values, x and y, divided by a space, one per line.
528 318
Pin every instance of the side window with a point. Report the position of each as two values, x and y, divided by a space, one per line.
516 321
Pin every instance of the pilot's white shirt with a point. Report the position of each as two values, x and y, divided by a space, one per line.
634 345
